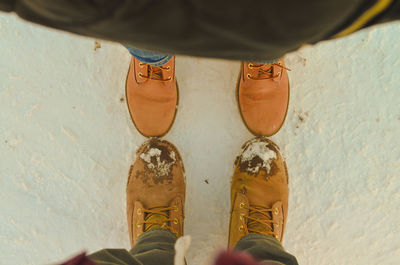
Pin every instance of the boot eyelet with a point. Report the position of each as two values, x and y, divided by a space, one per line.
250 65
140 75
175 208
139 211
141 65
248 76
168 68
241 205
241 217
241 228
176 221
138 226
278 74
276 211
276 236
169 78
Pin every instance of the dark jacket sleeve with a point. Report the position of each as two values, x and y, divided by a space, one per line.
390 14
232 29
61 13
6 5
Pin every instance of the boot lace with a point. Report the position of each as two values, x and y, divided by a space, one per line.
259 220
155 72
158 217
265 72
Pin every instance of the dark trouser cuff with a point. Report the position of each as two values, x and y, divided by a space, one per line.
265 248
154 247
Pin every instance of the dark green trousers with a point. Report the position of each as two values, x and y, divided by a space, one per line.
156 247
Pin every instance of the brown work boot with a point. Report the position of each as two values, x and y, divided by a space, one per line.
155 193
259 192
152 97
263 96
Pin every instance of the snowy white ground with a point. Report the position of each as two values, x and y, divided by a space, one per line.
66 144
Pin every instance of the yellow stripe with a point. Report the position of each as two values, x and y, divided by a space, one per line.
379 6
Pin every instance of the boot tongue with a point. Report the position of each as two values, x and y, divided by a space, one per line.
265 218
265 71
155 72
159 218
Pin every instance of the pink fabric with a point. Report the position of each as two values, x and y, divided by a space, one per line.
235 258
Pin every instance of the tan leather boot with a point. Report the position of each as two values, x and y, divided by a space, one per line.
263 96
155 193
259 192
152 97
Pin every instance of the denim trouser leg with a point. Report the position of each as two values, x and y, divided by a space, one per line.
158 59
149 57
155 247
265 248
270 62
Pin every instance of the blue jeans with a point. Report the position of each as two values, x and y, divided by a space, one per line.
157 59
149 57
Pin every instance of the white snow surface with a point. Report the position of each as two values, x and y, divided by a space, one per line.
257 148
160 168
67 142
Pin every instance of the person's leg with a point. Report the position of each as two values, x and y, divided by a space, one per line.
259 201
152 248
149 57
114 257
265 248
155 247
155 199
270 61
